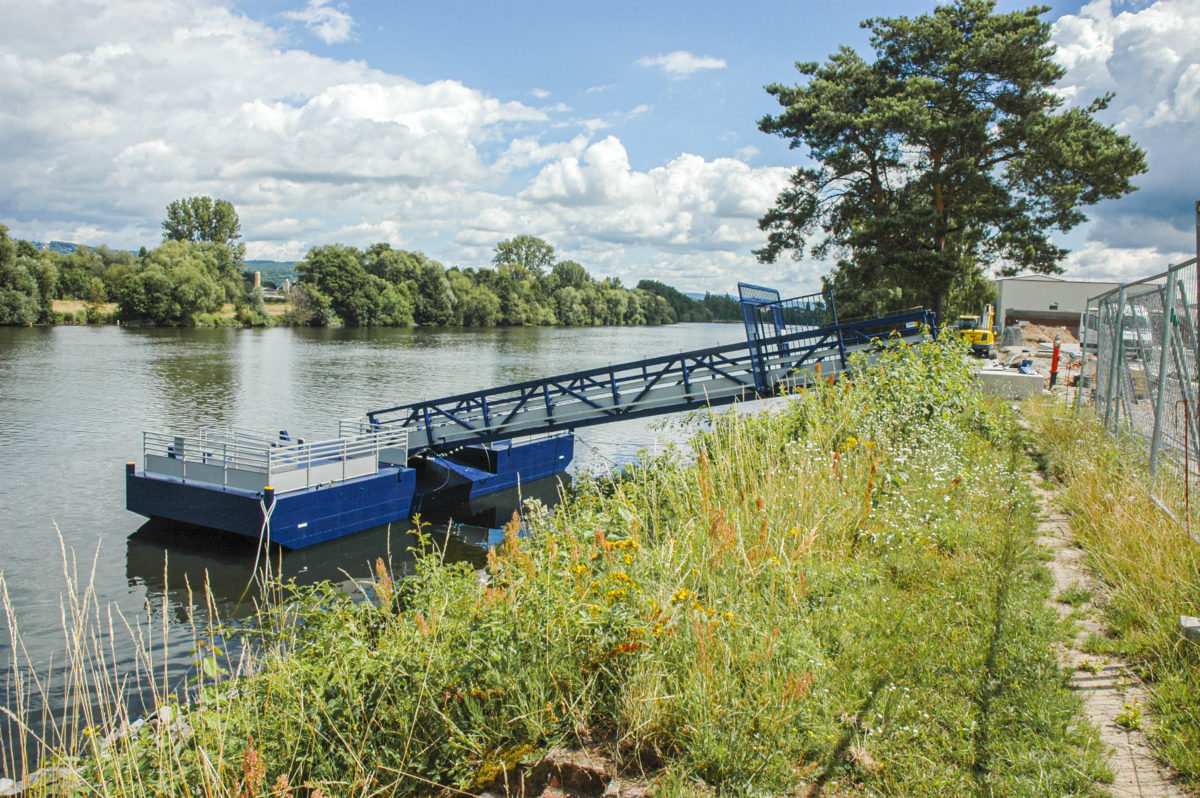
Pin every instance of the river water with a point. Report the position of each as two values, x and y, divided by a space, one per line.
75 400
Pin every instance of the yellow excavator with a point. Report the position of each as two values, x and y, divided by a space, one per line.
977 330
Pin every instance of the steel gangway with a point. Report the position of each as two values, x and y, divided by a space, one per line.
789 343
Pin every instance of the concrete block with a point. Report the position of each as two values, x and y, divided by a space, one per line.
1190 627
1009 383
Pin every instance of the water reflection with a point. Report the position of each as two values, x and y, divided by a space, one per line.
196 375
174 563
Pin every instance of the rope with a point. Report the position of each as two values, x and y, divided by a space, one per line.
612 464
264 542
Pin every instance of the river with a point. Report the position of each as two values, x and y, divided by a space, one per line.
75 400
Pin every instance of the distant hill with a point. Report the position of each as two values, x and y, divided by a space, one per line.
61 247
273 271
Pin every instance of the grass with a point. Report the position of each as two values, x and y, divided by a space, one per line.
842 597
1149 565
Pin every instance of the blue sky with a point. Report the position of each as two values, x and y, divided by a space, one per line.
623 133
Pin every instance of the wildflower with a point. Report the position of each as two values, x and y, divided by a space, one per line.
850 443
683 594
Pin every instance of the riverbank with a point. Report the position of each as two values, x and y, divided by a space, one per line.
839 595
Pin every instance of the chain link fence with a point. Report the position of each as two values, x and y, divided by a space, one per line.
1140 349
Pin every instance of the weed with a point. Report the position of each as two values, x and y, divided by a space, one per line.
1149 567
841 594
1076 596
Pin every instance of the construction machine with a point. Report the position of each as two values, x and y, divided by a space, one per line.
977 330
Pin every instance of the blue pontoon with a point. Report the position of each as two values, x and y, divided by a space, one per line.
401 460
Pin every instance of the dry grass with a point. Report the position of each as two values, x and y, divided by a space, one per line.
76 305
1135 530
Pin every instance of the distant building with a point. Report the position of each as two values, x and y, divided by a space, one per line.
1043 299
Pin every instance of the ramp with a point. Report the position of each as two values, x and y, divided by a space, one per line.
787 340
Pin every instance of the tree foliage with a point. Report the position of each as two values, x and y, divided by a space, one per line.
181 283
202 219
525 255
28 282
947 155
385 286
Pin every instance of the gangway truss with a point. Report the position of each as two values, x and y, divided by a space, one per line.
788 341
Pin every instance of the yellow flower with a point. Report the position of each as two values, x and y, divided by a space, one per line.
682 594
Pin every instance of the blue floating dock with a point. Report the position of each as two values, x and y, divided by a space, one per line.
405 459
234 480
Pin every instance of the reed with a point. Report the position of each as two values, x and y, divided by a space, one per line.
839 595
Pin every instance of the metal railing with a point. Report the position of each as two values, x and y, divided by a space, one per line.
709 377
250 460
1143 337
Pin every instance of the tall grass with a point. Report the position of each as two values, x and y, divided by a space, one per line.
111 670
1134 529
841 595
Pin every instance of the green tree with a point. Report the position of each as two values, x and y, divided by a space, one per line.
948 154
202 219
176 282
528 255
335 271
19 296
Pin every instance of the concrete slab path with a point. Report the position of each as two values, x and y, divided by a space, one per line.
1107 685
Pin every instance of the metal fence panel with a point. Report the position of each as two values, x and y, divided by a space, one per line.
1143 336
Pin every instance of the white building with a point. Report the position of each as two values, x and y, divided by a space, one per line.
1044 299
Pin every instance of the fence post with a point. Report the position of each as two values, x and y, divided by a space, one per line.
1115 356
1185 373
838 327
1083 338
1168 341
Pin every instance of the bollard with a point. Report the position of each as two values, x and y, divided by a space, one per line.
1054 361
268 497
130 468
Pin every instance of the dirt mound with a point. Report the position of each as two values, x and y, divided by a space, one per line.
1036 333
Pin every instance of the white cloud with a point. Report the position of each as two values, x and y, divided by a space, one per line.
529 151
541 94
330 25
690 203
138 102
747 153
110 109
1149 56
681 64
1098 261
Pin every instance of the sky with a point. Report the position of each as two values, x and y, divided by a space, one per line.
623 133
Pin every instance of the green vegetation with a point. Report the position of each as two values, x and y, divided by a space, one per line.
199 269
1149 564
384 286
944 156
841 593
711 308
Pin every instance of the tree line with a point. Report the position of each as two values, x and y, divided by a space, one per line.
198 269
525 285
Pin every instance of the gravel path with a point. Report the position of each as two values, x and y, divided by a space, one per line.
1107 685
